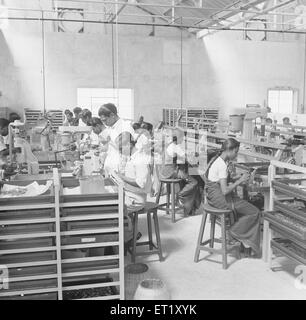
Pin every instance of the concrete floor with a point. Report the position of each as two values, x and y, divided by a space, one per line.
247 278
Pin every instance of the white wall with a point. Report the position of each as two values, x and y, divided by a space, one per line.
243 71
221 70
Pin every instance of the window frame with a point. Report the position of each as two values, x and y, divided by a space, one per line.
295 98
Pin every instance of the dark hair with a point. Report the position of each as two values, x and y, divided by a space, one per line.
95 122
4 123
77 110
227 145
136 126
14 116
269 119
147 126
86 113
67 111
107 109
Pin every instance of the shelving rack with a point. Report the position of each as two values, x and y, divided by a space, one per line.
60 247
285 224
32 115
204 117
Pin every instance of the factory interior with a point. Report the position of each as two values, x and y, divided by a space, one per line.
152 150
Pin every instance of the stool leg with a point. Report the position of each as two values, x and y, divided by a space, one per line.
212 230
168 197
157 233
173 202
135 232
200 237
224 246
159 192
150 230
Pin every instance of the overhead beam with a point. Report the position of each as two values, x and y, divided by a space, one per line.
243 9
204 33
116 15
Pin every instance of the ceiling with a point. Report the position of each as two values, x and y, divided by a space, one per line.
205 17
200 17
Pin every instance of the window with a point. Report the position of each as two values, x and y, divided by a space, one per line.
282 101
93 98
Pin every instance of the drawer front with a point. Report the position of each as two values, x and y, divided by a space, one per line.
27 257
43 296
26 244
27 214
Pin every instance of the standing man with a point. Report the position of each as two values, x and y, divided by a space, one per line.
115 126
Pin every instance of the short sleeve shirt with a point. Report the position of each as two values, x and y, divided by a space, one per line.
218 170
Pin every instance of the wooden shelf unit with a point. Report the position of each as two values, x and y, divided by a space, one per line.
64 247
204 117
284 224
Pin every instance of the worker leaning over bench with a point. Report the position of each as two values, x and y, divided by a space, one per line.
114 127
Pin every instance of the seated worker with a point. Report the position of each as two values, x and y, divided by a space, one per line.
286 121
85 119
287 128
143 137
13 116
220 195
136 177
176 167
77 114
4 137
68 119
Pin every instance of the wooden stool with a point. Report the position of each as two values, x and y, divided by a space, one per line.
170 204
150 208
214 213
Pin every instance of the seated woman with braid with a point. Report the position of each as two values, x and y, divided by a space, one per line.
220 194
136 177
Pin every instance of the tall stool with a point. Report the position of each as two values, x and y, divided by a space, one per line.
151 211
170 205
214 213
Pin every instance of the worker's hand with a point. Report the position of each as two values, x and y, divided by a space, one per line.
245 178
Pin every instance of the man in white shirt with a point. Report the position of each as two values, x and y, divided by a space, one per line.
114 127
176 167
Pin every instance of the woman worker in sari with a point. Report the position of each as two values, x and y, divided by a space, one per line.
220 194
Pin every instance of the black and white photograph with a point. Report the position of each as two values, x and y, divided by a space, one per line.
152 150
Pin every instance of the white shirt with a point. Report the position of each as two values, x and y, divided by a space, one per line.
112 161
94 139
137 169
81 123
218 170
4 140
175 150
